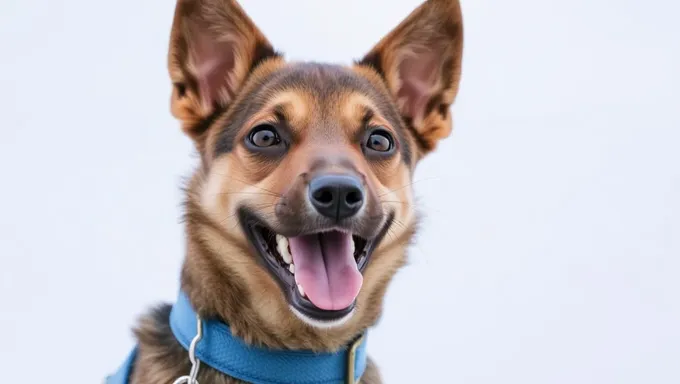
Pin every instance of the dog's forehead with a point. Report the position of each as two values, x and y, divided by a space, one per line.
322 82
328 93
325 90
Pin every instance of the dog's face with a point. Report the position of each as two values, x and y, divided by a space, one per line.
307 168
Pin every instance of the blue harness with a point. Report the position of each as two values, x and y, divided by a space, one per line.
228 354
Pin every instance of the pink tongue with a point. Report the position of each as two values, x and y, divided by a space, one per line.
325 267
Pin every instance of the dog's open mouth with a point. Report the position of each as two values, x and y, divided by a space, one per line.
320 273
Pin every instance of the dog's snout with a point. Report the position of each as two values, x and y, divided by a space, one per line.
336 196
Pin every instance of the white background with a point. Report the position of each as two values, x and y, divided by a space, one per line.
551 248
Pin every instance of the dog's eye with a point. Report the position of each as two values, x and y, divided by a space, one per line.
380 141
264 136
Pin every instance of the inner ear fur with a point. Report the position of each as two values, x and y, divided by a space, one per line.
420 61
214 45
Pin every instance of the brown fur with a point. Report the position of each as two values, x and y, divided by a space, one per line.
228 79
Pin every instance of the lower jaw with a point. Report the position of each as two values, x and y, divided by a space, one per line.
324 324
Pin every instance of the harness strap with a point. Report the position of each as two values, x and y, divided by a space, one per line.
221 350
122 376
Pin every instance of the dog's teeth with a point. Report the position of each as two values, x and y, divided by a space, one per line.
302 291
291 268
285 254
282 247
352 246
281 240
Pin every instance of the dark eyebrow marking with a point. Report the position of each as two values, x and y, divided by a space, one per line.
280 113
368 115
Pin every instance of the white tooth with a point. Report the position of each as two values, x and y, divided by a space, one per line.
352 246
282 247
287 257
291 268
302 291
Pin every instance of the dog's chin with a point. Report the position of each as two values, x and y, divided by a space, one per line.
320 272
323 324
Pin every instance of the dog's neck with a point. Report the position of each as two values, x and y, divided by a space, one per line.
217 291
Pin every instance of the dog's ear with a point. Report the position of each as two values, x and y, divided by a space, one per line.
213 47
420 60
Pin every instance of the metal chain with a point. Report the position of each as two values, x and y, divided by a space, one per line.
191 378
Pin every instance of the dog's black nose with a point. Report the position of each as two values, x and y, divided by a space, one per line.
336 196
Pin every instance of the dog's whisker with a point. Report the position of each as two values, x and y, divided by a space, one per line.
394 202
406 186
257 206
250 184
247 193
399 223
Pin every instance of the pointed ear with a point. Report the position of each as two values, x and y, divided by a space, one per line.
420 60
213 47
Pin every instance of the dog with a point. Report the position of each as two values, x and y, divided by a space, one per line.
301 210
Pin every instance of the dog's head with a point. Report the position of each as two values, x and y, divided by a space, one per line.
303 205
